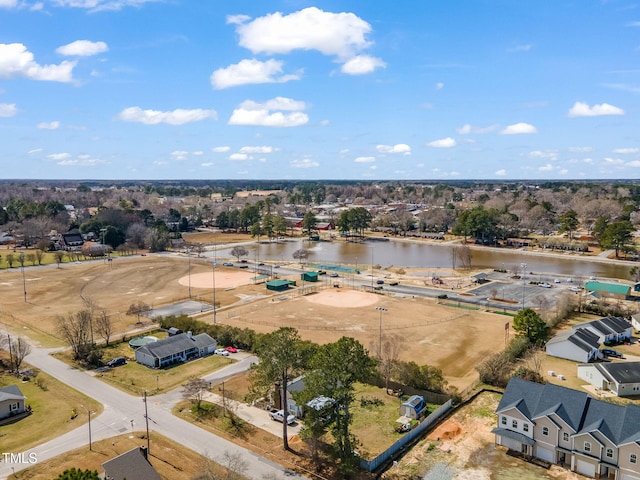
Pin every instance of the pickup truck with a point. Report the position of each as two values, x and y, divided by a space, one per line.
278 416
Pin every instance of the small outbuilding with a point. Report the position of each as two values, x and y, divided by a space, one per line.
413 408
609 290
309 276
279 285
579 345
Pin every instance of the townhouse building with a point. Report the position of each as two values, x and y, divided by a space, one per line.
566 427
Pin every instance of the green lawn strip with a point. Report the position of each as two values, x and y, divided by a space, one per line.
47 259
52 404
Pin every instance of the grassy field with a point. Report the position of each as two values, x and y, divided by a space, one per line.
135 378
52 404
171 460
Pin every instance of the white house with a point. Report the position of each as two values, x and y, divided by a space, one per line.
609 329
635 322
622 378
579 345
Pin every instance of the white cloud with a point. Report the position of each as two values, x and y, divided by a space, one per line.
221 149
176 117
520 48
82 48
402 148
179 155
362 64
8 3
17 61
501 173
633 24
256 114
546 168
197 153
439 86
634 163
258 149
547 154
365 159
8 110
581 109
468 128
102 5
237 19
81 161
613 161
35 150
626 151
447 142
250 72
207 164
304 163
519 128
49 125
239 157
58 156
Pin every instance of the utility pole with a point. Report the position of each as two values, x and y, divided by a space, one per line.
215 258
146 417
24 282
380 309
524 270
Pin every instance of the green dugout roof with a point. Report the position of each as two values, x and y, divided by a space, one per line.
616 288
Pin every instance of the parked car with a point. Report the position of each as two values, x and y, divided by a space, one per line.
404 427
380 282
334 275
243 261
278 416
116 362
610 352
261 264
227 264
544 285
231 349
575 289
221 351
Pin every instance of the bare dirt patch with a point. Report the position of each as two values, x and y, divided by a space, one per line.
223 279
342 298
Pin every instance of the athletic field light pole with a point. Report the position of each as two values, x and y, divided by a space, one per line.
24 282
215 257
381 310
524 270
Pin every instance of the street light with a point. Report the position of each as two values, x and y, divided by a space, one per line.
89 415
24 283
523 266
189 255
380 309
214 281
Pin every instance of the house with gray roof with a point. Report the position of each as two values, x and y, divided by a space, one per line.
609 329
569 428
176 349
579 345
621 378
132 464
12 401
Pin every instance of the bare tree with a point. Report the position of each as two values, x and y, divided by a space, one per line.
301 255
19 348
195 390
138 308
104 326
236 465
454 257
75 328
464 253
10 258
390 350
239 251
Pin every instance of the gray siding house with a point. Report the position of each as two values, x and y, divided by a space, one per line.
579 345
622 378
569 428
176 349
12 401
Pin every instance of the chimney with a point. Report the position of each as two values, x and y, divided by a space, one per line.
143 450
189 334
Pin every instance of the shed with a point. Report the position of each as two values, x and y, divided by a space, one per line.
173 331
609 290
278 285
413 407
309 276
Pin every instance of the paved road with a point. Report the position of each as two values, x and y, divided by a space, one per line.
121 409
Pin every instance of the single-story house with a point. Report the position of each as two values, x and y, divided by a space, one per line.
71 241
608 290
609 329
12 401
131 464
635 322
413 407
579 345
622 378
295 385
176 349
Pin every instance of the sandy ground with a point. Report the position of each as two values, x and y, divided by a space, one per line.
223 279
342 298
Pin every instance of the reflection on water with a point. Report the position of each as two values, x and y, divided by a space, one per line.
411 254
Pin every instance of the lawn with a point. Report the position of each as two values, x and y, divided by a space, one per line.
135 378
171 460
52 403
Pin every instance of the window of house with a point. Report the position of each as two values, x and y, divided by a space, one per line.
633 458
609 453
14 407
565 436
525 427
504 420
587 446
545 431
514 424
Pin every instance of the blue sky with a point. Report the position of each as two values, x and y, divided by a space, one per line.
215 89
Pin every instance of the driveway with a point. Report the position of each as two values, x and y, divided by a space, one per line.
124 412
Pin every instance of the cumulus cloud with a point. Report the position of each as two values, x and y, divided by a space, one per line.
501 173
239 157
402 148
341 35
581 109
447 142
439 86
49 125
17 61
221 149
519 128
8 110
468 128
362 64
58 156
176 117
8 3
250 71
81 161
82 48
626 151
179 155
304 163
364 159
546 154
258 149
256 114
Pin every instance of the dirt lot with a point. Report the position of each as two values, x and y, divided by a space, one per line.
463 447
